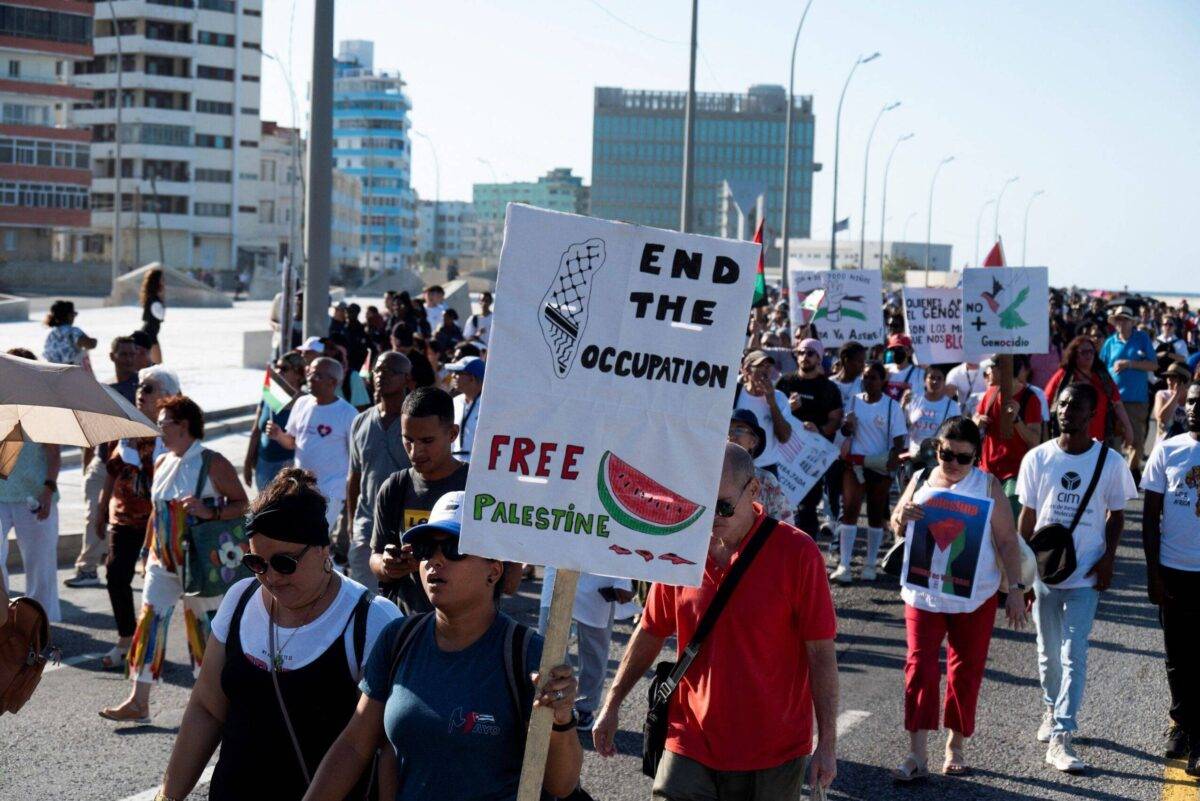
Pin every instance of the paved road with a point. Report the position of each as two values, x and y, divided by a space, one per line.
58 748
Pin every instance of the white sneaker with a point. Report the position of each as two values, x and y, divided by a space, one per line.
1045 730
1061 754
842 575
868 573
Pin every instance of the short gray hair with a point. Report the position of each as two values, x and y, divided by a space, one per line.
403 365
166 379
739 465
335 366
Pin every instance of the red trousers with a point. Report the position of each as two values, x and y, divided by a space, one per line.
968 637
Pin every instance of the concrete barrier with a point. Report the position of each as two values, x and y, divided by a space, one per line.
13 309
458 297
182 290
87 278
256 349
403 280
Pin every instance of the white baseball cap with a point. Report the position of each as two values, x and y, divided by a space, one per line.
444 518
314 344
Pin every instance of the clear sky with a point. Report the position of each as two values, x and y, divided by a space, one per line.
1097 103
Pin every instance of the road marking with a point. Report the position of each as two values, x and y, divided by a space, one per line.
1177 785
71 661
148 795
849 719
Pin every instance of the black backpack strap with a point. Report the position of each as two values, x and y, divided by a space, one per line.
404 639
359 616
1091 489
922 477
520 688
235 622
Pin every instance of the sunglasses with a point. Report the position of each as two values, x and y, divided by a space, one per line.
423 550
147 387
726 508
947 455
282 563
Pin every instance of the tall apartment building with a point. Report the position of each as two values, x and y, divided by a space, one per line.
447 229
45 167
280 190
190 133
371 143
557 190
637 157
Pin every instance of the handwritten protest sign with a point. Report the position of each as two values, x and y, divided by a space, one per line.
849 310
604 415
943 549
1006 310
803 461
933 318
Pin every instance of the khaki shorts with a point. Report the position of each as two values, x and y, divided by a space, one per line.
683 779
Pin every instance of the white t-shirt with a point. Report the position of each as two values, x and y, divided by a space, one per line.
466 416
925 417
1173 471
323 445
590 607
968 381
1053 482
762 411
434 315
478 324
901 378
984 573
1041 396
878 424
301 646
848 389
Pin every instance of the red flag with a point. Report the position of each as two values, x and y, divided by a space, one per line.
995 256
760 279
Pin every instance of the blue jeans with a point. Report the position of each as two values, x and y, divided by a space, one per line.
1064 622
265 472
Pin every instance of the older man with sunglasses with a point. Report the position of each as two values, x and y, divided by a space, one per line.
728 738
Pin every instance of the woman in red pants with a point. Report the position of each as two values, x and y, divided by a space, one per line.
949 584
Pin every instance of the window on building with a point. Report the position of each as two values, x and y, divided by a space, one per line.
266 170
247 210
14 71
217 5
214 141
248 143
210 176
266 211
214 39
214 107
211 209
214 73
10 240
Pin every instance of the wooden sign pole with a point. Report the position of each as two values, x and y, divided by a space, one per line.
558 630
1005 378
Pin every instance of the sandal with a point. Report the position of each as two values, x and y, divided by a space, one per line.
114 659
910 770
955 765
125 714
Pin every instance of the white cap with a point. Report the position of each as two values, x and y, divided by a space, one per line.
314 344
444 518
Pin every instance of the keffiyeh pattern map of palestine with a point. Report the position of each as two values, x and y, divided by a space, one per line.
614 355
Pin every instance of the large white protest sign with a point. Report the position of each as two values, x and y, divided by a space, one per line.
803 461
1006 310
850 310
604 414
933 318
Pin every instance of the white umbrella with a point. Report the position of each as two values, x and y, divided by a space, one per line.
60 404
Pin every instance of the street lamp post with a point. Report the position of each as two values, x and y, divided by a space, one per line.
317 223
929 216
978 224
689 133
437 188
787 145
883 202
295 142
116 245
1025 228
999 197
862 223
904 231
837 136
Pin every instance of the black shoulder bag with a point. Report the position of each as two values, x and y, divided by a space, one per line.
667 675
1054 545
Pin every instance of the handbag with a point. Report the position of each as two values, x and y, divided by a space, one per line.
23 638
213 549
667 675
1054 545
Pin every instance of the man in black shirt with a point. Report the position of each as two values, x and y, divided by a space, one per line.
817 403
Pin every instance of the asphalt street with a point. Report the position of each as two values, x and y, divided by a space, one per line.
58 748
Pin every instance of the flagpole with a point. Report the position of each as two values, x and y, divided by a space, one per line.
787 146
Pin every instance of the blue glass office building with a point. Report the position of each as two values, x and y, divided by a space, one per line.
370 142
637 156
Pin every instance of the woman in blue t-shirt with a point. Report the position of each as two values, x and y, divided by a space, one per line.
441 690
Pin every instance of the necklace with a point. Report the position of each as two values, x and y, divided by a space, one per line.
276 657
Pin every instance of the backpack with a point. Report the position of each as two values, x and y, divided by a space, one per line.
23 637
516 642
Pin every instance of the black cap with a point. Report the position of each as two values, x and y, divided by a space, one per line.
747 418
142 339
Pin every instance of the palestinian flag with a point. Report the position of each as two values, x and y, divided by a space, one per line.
760 278
275 392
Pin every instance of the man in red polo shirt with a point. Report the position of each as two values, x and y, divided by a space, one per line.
740 723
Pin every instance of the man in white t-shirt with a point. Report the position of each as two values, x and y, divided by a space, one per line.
757 393
1171 538
969 383
318 429
478 327
435 306
468 381
1051 485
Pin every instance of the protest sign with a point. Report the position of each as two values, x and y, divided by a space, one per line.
933 318
849 310
943 548
803 461
604 415
1006 310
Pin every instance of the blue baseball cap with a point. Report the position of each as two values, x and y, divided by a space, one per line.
445 518
471 365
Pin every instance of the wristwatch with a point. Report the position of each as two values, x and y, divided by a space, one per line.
50 485
1019 587
570 724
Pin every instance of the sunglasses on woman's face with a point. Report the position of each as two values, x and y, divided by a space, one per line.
947 456
282 563
423 551
147 388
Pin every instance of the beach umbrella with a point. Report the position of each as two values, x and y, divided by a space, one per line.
60 404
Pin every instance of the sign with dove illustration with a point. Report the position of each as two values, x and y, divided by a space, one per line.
1006 310
943 548
843 306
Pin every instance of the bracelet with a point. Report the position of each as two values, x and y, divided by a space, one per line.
162 796
50 484
570 724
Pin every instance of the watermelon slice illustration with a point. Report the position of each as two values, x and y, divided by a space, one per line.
946 531
640 503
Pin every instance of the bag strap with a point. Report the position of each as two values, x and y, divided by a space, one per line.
737 393
205 464
361 612
757 540
404 640
520 689
287 719
1087 496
